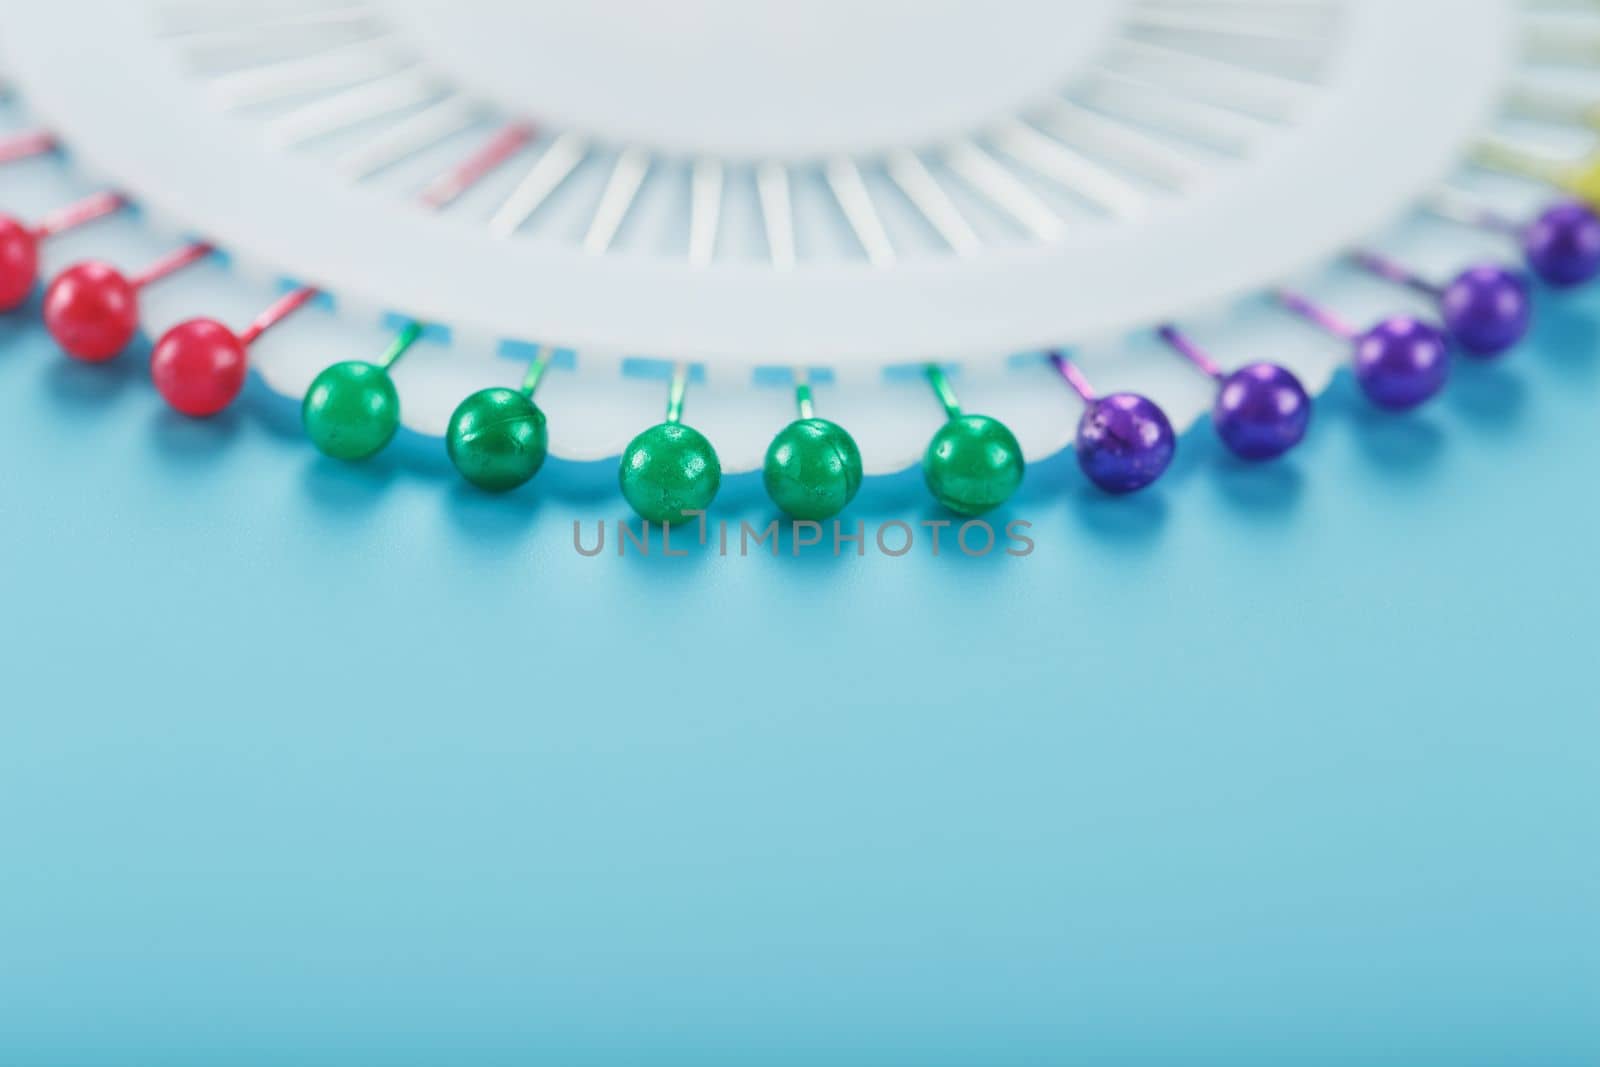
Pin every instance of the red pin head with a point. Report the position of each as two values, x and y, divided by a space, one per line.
199 366
19 263
92 311
19 243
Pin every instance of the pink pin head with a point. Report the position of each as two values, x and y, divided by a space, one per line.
199 366
92 310
19 263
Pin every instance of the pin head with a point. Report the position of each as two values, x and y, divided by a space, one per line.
973 464
667 470
1261 411
813 469
1563 245
92 311
1124 442
199 366
1487 309
497 439
1402 362
351 410
1583 181
19 263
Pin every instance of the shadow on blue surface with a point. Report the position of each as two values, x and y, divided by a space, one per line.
1566 337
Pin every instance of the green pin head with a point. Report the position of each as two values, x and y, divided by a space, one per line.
973 464
813 469
351 410
667 470
497 439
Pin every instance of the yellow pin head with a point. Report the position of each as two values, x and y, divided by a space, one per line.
1582 180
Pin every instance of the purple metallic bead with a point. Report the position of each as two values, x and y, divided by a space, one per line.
1402 362
1563 245
1261 411
1124 442
1487 309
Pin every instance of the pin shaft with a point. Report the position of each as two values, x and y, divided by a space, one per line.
1315 314
88 209
23 145
443 190
402 341
171 263
802 399
277 311
536 369
1186 348
1074 377
945 392
1389 270
680 385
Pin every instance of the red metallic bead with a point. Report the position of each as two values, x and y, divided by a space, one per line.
92 311
19 263
199 366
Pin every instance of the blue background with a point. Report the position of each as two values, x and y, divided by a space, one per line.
303 763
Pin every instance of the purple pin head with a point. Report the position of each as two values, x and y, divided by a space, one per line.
1402 362
1487 309
1261 411
1563 245
1124 442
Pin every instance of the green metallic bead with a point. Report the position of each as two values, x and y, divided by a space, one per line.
497 439
351 410
667 470
813 469
973 464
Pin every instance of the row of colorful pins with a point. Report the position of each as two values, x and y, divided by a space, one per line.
1124 442
497 438
91 309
